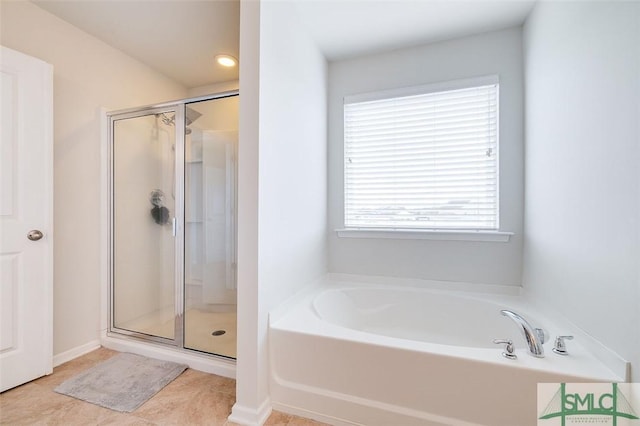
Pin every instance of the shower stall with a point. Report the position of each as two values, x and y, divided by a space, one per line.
172 221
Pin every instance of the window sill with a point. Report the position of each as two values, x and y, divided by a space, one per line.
420 234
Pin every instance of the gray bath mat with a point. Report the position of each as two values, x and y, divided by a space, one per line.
123 382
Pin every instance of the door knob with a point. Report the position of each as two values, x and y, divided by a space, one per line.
35 235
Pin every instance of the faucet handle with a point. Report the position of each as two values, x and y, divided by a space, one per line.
542 335
509 350
560 347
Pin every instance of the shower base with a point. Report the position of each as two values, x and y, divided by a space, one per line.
199 326
202 329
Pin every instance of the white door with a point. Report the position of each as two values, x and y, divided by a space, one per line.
26 218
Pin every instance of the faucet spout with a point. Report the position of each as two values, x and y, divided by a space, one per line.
533 336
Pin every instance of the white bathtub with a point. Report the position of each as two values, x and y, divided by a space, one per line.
414 314
352 353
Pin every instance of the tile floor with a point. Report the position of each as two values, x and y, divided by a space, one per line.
194 398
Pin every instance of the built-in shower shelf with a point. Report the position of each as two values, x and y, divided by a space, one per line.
193 161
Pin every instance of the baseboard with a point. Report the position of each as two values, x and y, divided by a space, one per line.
74 353
318 417
248 416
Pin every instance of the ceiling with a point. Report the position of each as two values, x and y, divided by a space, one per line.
176 38
180 38
347 28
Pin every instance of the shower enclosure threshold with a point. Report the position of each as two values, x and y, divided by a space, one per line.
200 361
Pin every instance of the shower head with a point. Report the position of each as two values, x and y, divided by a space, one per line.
168 120
191 116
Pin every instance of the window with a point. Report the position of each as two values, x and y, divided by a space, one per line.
423 158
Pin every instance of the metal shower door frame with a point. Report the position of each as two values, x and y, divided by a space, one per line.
179 108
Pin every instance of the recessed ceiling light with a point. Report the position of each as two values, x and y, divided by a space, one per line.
226 60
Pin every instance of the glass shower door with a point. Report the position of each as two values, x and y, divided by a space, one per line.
210 204
143 224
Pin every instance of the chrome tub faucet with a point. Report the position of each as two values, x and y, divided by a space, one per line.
535 337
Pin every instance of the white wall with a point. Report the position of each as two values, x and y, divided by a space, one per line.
480 262
88 74
582 222
293 146
250 395
292 243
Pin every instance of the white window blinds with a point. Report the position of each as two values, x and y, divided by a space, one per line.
423 161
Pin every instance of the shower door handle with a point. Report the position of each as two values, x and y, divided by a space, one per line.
174 224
